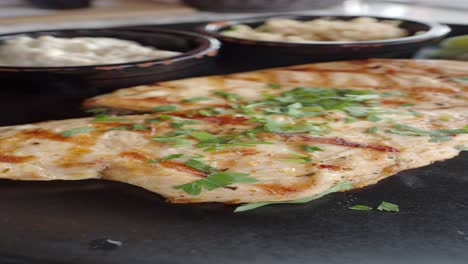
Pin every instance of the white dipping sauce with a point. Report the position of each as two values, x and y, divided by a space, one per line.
47 51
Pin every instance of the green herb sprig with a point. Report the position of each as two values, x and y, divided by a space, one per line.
77 130
339 187
215 181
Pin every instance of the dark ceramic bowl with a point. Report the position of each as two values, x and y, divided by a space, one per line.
287 53
197 55
61 4
260 5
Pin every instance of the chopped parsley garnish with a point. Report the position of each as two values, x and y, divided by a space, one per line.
139 127
460 79
168 157
339 187
214 181
406 105
227 95
348 120
152 121
301 127
236 144
97 110
274 86
196 99
311 149
310 101
299 158
360 207
371 130
174 140
180 122
78 130
373 118
203 136
179 132
389 207
106 118
209 111
444 118
121 128
199 165
436 135
165 108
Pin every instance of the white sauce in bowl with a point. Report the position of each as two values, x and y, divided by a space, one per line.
49 51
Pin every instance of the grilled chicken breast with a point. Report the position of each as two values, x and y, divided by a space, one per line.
429 84
241 139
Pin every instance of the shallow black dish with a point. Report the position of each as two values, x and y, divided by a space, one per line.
260 5
287 53
197 50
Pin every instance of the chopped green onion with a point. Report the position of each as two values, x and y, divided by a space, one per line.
196 99
203 136
174 140
196 164
106 118
165 108
139 127
121 128
359 207
152 121
215 181
371 130
227 95
78 130
339 187
168 157
274 86
389 207
406 105
311 149
97 110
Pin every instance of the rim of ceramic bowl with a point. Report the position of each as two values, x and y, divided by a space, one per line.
435 31
209 47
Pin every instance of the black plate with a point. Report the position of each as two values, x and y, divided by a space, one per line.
197 56
68 222
287 53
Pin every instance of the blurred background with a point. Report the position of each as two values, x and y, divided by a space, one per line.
23 15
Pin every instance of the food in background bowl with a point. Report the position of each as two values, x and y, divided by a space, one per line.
46 51
264 53
454 48
321 29
197 56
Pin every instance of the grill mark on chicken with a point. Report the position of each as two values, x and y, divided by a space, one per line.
72 156
44 134
87 139
15 159
182 167
392 102
167 163
329 166
284 190
335 141
218 119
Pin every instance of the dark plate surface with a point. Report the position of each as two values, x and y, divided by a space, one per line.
65 222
